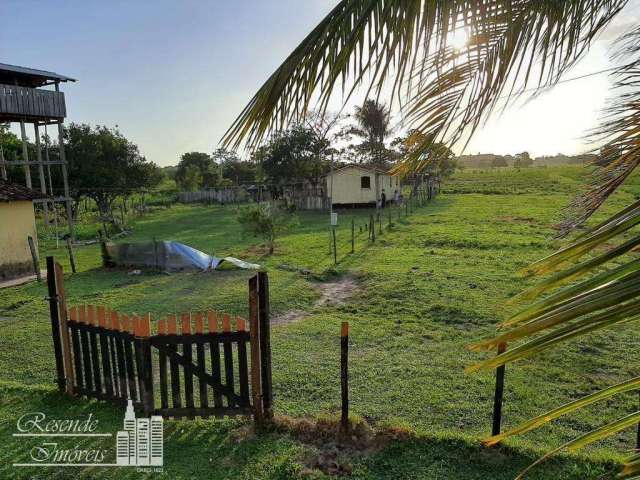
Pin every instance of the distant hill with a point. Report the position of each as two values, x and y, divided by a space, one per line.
490 160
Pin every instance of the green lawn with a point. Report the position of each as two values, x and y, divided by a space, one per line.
433 282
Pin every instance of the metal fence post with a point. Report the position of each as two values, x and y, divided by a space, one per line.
344 376
498 397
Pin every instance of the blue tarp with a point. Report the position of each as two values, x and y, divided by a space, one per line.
169 256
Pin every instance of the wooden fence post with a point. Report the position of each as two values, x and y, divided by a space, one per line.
72 257
335 249
254 333
353 235
497 399
55 322
265 344
344 377
65 341
34 257
372 228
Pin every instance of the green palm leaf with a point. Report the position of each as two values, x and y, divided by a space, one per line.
588 438
540 420
446 93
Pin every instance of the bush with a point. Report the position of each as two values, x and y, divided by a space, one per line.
267 221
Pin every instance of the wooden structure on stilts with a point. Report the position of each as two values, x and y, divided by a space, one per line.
25 100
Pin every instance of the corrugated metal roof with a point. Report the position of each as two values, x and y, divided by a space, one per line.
10 192
43 74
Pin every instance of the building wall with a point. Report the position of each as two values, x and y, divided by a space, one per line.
18 222
347 186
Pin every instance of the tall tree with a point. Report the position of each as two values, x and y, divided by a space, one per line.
448 90
207 175
523 160
293 156
373 120
103 165
232 169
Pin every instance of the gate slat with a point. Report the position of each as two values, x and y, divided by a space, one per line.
204 402
162 360
129 359
92 320
187 352
228 358
104 351
114 325
172 328
243 370
214 350
136 321
86 354
75 342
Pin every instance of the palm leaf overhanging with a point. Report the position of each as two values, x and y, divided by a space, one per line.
606 288
445 94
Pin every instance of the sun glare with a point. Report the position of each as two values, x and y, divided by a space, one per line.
458 39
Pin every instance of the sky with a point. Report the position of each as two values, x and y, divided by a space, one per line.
173 75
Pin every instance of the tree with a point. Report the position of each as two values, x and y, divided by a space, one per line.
293 156
202 162
267 221
523 160
447 94
437 158
103 164
373 126
10 149
191 178
233 169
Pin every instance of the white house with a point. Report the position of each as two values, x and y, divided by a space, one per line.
353 185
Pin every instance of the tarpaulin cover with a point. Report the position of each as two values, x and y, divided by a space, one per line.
167 255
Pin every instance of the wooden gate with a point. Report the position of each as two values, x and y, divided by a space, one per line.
198 365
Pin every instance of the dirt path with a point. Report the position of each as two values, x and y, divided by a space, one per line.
331 293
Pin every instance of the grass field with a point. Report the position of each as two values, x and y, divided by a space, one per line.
432 283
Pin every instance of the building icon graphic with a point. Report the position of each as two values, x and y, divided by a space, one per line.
140 444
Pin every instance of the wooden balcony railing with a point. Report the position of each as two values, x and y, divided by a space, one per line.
23 102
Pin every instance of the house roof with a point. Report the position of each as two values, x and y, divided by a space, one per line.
10 192
365 168
31 77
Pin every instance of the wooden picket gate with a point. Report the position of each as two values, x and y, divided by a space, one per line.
202 364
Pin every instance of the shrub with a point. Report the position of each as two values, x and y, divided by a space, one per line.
267 221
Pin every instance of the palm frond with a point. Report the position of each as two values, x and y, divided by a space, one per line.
447 92
588 438
620 130
540 420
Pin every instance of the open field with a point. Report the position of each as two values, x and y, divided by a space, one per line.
432 283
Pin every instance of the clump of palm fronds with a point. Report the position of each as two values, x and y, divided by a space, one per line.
445 94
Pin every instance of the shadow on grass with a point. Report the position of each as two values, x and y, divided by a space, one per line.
227 448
